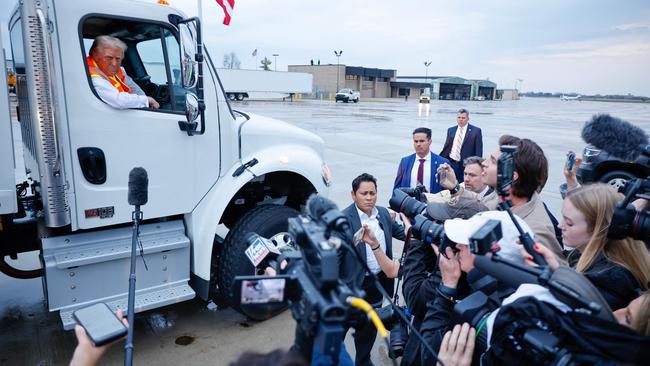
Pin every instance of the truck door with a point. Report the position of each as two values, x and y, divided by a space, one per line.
106 143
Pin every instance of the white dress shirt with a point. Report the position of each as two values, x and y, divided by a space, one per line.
112 97
426 177
373 224
480 194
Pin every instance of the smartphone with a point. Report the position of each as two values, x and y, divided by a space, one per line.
441 175
101 324
358 236
570 160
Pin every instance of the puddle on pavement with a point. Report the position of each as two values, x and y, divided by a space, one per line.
184 340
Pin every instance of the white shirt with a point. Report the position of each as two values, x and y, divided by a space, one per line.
112 97
426 177
480 194
459 130
373 224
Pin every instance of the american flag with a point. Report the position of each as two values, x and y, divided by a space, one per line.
227 6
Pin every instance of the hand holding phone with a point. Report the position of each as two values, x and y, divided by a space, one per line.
100 324
358 236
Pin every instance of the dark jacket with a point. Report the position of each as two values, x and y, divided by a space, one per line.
403 178
349 264
617 284
472 143
421 280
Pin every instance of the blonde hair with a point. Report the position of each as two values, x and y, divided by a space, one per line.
642 319
597 202
107 42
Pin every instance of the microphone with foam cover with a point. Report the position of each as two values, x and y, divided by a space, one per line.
138 186
615 136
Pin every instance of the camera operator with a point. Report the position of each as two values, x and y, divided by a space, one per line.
530 175
454 263
378 224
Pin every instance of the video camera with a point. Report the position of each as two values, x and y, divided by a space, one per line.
626 220
310 283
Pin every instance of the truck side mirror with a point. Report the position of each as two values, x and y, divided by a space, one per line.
189 64
191 107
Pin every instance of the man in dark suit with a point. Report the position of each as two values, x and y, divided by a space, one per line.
421 167
364 213
463 140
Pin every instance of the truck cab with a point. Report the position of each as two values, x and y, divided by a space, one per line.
214 173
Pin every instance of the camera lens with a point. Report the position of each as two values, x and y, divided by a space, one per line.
402 202
426 230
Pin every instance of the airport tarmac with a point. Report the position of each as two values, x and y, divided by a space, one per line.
371 137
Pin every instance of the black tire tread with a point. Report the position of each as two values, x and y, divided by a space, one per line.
232 257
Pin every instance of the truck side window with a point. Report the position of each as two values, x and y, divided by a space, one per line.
152 58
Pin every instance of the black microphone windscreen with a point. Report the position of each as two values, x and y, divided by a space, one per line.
615 136
317 205
503 272
138 186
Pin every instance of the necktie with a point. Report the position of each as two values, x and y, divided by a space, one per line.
458 143
421 171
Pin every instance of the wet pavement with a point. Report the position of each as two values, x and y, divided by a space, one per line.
371 137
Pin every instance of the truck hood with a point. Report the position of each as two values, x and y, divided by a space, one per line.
259 132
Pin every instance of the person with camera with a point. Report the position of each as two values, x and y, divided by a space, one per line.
618 268
529 177
456 260
375 223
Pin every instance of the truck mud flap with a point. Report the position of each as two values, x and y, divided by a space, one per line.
82 269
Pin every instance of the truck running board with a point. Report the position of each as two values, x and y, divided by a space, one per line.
82 269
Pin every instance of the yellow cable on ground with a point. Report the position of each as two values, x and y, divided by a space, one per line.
362 304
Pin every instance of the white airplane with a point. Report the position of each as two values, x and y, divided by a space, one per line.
577 97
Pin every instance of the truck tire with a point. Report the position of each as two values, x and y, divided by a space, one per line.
356 100
240 97
267 221
617 178
231 97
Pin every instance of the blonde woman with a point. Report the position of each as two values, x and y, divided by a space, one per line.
618 268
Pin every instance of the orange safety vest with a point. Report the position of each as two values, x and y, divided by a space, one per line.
116 80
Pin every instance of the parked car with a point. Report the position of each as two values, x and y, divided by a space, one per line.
599 166
347 95
425 99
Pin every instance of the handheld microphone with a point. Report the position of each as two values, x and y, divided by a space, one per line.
615 136
138 186
260 250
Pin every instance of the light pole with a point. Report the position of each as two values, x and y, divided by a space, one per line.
426 74
275 60
338 55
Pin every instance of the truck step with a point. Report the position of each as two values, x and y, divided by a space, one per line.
144 300
84 268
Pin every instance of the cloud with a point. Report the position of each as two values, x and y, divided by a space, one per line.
632 26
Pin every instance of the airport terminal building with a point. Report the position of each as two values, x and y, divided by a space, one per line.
384 83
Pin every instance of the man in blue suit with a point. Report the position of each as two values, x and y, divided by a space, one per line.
463 140
421 167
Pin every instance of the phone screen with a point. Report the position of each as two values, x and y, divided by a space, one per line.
357 236
100 323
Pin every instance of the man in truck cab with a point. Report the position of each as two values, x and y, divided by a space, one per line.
110 80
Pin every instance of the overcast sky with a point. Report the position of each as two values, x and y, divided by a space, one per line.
586 46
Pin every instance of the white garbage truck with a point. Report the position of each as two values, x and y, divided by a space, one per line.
215 174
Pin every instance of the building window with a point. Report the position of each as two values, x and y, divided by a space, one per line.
369 78
351 77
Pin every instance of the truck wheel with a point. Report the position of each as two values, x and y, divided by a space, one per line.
617 178
356 100
269 221
240 97
231 97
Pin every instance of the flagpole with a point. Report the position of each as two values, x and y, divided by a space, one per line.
200 4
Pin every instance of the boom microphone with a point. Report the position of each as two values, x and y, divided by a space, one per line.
138 186
615 136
